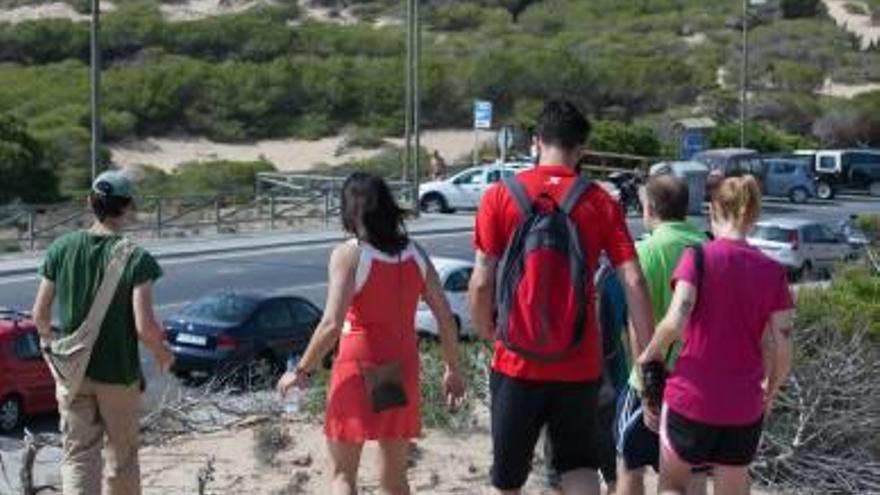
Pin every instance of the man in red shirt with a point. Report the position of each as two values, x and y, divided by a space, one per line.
528 395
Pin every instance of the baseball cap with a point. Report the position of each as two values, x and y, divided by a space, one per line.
113 183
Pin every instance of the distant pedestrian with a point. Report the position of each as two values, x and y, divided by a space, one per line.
104 287
732 309
376 282
550 226
438 165
664 202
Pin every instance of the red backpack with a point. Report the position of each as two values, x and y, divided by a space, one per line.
541 292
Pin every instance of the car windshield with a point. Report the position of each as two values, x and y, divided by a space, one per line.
225 308
771 233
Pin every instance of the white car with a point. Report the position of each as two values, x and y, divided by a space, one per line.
804 247
455 275
465 189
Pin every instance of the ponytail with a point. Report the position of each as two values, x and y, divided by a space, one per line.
738 199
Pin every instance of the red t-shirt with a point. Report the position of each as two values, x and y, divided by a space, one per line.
603 228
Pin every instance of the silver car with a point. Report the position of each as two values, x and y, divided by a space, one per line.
806 247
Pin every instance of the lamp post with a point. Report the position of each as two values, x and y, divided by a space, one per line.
95 83
412 127
744 76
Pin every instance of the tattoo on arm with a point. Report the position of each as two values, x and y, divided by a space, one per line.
684 309
785 332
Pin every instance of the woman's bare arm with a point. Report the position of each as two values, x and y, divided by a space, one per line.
672 325
435 297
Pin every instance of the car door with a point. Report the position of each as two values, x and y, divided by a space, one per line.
834 248
32 373
305 317
459 188
455 287
473 190
773 180
275 326
810 248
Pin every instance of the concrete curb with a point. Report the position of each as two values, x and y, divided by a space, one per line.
30 266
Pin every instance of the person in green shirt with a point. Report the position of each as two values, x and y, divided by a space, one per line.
665 206
104 410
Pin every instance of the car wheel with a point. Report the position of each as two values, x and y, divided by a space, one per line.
11 414
824 190
434 203
799 195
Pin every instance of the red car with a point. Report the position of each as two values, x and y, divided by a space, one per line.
26 385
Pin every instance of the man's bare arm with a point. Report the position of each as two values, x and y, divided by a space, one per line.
481 295
42 311
149 331
638 304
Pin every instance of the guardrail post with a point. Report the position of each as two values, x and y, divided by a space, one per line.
326 207
271 211
159 218
217 213
32 229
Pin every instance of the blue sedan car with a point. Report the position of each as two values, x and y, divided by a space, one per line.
227 330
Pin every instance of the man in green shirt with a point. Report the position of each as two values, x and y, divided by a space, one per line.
104 409
665 206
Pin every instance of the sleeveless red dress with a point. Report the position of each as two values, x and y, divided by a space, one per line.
379 328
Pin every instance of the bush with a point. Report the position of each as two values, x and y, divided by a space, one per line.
456 17
852 301
759 136
617 137
870 224
22 166
215 176
361 137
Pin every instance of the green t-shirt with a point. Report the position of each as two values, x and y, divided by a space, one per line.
658 257
75 263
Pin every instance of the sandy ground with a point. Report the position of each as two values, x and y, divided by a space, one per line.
861 25
830 88
442 464
287 154
181 11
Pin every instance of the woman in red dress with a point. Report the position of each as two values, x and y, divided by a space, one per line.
376 282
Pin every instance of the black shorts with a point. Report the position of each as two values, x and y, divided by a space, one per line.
702 444
607 455
636 445
522 408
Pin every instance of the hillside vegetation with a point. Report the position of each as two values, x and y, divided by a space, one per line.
275 72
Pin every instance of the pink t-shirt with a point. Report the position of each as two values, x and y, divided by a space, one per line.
717 378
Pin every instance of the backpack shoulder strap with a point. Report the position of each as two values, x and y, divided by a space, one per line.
519 194
574 194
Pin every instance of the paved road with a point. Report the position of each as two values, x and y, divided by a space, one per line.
302 271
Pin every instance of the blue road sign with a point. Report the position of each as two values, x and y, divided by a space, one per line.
482 114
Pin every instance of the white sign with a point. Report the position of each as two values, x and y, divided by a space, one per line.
482 114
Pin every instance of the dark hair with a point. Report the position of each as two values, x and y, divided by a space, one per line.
562 124
104 206
669 197
370 212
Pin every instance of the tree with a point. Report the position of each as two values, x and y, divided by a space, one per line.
24 173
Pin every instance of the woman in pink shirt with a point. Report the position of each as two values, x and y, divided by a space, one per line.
733 309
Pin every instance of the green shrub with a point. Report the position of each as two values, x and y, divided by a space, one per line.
759 136
617 137
214 176
852 301
456 17
22 165
363 137
870 224
118 125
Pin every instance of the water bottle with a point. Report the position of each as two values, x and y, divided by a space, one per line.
293 399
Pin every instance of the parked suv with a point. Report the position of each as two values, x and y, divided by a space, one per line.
226 330
805 247
463 190
26 384
842 170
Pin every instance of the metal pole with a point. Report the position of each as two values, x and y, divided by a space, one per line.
744 76
95 86
417 104
407 154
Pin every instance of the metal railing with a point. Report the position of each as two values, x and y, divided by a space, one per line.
280 201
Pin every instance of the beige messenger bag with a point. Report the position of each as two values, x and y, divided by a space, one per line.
68 357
